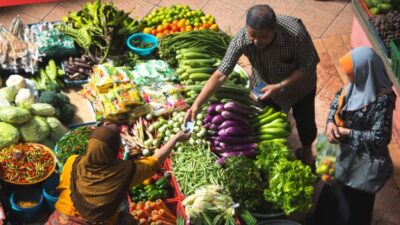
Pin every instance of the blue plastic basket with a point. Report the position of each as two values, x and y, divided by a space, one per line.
50 193
145 38
34 194
73 83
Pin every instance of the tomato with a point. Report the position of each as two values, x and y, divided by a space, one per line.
166 32
189 28
175 22
159 35
206 25
175 28
196 28
182 29
154 32
167 26
160 28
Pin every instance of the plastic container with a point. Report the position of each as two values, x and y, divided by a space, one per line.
144 38
277 222
50 193
394 47
32 194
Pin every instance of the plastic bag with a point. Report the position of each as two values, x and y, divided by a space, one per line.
326 158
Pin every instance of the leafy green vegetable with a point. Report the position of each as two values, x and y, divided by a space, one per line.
63 109
244 182
99 28
290 186
270 153
9 135
35 130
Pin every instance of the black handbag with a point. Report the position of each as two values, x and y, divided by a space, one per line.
361 171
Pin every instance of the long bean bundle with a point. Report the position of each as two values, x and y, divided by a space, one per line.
215 43
195 166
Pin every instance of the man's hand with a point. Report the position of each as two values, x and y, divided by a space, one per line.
332 133
191 114
269 91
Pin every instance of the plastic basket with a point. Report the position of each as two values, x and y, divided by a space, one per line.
395 56
50 193
145 38
28 194
73 83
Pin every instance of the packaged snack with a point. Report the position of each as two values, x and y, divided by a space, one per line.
123 75
103 76
128 94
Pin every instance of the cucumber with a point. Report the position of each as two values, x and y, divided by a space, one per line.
194 49
264 137
199 62
199 76
209 70
196 55
268 119
275 123
275 131
180 70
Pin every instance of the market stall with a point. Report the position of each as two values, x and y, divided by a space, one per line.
142 75
377 24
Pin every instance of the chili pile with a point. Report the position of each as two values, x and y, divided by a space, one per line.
31 165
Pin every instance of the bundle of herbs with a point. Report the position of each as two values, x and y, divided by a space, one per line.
99 28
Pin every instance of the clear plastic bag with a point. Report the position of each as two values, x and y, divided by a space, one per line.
326 158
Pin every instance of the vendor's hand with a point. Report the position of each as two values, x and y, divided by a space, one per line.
344 132
182 136
191 114
332 133
269 91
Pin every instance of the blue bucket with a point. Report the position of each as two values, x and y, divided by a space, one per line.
50 192
30 194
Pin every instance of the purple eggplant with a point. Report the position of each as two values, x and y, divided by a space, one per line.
211 109
222 132
238 147
217 120
219 108
207 125
208 119
249 153
237 131
238 108
213 127
218 149
235 140
232 123
233 116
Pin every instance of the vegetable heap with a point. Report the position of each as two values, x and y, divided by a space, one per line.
244 182
152 212
270 152
155 189
141 44
290 186
99 28
74 142
25 163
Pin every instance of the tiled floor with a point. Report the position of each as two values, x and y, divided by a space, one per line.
329 23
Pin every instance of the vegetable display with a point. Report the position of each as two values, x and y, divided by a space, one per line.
64 111
26 163
381 6
388 26
49 77
270 152
79 68
152 190
290 186
73 143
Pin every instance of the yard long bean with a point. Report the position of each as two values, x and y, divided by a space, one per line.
195 166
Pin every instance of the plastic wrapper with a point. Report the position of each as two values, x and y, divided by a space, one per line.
326 158
164 98
128 94
103 76
152 72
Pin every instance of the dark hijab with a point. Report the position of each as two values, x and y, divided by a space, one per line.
100 181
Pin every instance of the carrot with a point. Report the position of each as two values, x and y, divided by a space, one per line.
140 205
166 214
143 221
147 203
134 213
163 222
160 205
155 218
152 205
132 206
147 208
154 212
143 213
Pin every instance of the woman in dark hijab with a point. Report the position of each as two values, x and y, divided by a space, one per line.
93 186
360 121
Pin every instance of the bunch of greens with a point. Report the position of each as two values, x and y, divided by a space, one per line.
73 143
215 43
243 181
290 186
99 28
270 153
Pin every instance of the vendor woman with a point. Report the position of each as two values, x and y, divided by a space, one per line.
93 186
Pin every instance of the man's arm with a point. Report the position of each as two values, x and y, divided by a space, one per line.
293 78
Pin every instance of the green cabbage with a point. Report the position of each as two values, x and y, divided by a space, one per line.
42 109
9 135
14 115
35 130
57 129
8 93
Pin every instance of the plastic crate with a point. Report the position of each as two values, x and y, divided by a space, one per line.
395 56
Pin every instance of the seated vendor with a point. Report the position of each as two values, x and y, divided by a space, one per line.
92 186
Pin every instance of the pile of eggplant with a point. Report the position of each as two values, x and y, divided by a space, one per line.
79 68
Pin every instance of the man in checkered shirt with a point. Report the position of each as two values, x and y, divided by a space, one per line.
283 58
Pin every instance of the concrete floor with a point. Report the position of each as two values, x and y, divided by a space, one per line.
329 23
